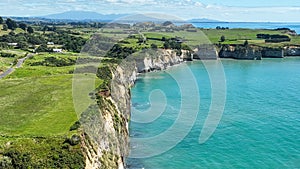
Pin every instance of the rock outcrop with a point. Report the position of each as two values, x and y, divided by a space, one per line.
272 53
240 52
257 52
206 52
292 51
151 60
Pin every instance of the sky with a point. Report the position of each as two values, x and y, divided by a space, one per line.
223 10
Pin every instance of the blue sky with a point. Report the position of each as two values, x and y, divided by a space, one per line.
254 3
225 10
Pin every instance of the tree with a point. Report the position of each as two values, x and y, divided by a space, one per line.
167 45
246 43
4 27
30 29
23 26
11 24
12 33
222 39
153 46
1 20
22 45
45 28
42 48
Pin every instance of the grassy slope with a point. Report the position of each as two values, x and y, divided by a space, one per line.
36 106
36 113
238 36
206 36
6 63
233 36
38 71
37 100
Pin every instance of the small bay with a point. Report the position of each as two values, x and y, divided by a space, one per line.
260 123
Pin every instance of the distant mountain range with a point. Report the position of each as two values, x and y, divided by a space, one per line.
94 16
203 20
83 15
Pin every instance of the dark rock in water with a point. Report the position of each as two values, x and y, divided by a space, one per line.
135 104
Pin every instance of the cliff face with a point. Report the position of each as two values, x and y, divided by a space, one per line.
206 52
272 53
105 140
240 52
101 141
157 60
256 52
292 51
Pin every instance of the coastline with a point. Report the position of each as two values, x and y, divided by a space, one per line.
256 74
111 147
138 74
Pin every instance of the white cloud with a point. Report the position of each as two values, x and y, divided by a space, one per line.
199 4
183 8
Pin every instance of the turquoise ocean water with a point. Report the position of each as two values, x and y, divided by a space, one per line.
259 128
250 25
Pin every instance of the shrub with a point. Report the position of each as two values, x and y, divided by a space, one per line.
8 55
75 126
222 39
73 141
153 46
55 62
18 159
117 51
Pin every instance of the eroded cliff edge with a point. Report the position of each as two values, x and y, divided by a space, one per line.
105 139
252 52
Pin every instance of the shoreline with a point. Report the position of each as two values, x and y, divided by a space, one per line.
234 129
140 74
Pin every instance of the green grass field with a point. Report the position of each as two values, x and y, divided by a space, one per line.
36 113
205 36
36 106
39 71
233 36
5 63
37 100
